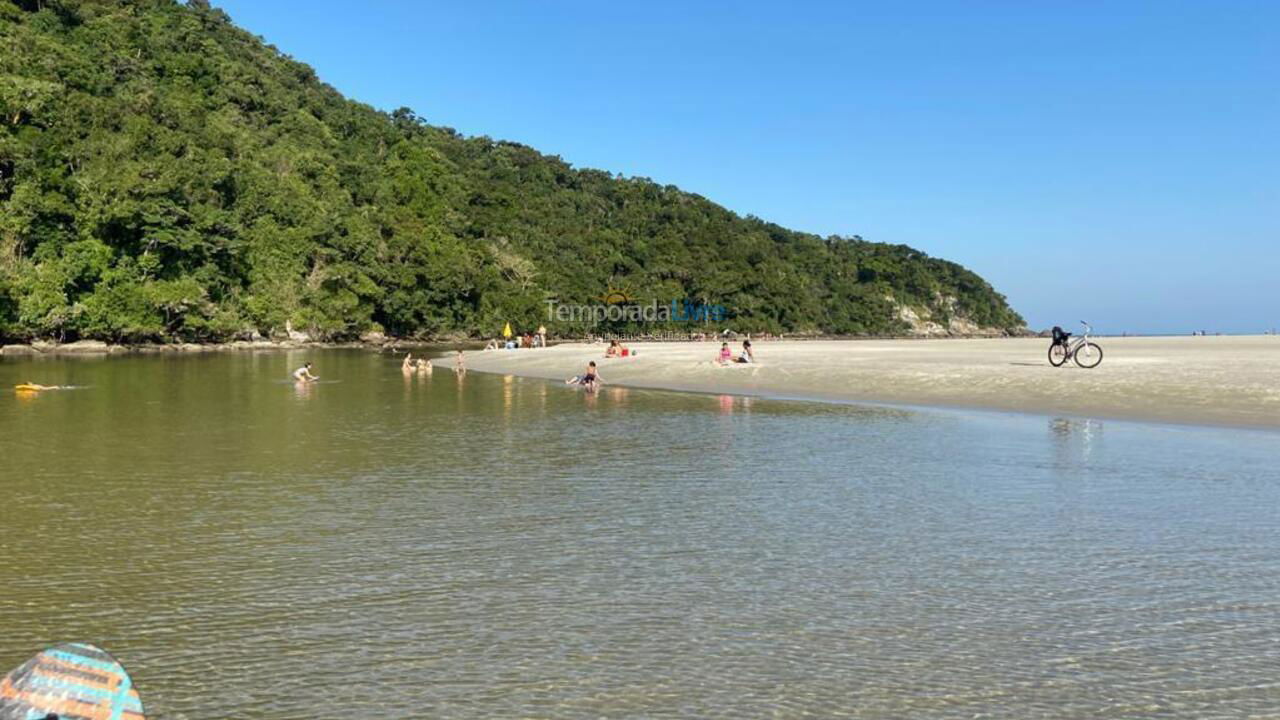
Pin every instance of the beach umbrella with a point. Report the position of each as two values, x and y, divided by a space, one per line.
506 330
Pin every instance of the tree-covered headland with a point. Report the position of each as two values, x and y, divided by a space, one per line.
165 175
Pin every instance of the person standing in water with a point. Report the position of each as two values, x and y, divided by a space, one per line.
460 364
303 374
408 365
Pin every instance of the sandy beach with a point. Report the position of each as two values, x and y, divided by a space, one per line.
1232 381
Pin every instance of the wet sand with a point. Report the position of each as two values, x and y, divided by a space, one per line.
1232 381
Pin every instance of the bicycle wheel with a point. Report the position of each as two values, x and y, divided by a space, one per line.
1057 355
1088 355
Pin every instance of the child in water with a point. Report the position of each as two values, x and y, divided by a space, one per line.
303 374
591 378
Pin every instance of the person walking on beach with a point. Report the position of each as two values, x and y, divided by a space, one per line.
303 374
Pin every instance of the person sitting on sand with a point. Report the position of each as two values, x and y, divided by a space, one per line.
747 356
591 378
493 345
303 374
725 356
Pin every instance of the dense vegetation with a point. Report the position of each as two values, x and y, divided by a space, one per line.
165 175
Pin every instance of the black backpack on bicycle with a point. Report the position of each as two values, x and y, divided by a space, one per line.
1060 336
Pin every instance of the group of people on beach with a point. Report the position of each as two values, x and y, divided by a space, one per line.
726 355
527 341
590 378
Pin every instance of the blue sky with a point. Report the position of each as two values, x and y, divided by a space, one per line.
1117 162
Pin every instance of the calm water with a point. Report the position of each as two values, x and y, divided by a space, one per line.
383 547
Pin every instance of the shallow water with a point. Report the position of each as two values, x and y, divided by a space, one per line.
383 546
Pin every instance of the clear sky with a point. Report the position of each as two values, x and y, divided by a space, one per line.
1117 162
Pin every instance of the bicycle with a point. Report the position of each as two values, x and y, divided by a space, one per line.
1087 354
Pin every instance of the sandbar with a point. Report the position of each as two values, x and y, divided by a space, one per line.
1213 380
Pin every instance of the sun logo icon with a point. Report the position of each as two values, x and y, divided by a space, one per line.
615 297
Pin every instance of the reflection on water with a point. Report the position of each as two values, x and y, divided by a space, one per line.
1074 438
488 546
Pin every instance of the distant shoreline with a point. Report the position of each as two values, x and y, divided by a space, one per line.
38 348
92 347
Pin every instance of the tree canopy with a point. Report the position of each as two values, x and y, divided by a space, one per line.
165 175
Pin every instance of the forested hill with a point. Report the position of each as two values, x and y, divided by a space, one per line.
165 175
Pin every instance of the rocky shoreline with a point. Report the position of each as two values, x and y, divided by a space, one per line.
375 342
97 347
38 348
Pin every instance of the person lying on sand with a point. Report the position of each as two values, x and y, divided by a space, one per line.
591 378
747 356
303 374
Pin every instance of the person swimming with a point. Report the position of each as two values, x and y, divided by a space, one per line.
303 374
590 379
35 387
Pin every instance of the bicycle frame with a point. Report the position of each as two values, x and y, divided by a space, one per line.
1074 345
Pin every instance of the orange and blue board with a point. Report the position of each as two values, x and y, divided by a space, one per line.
76 681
